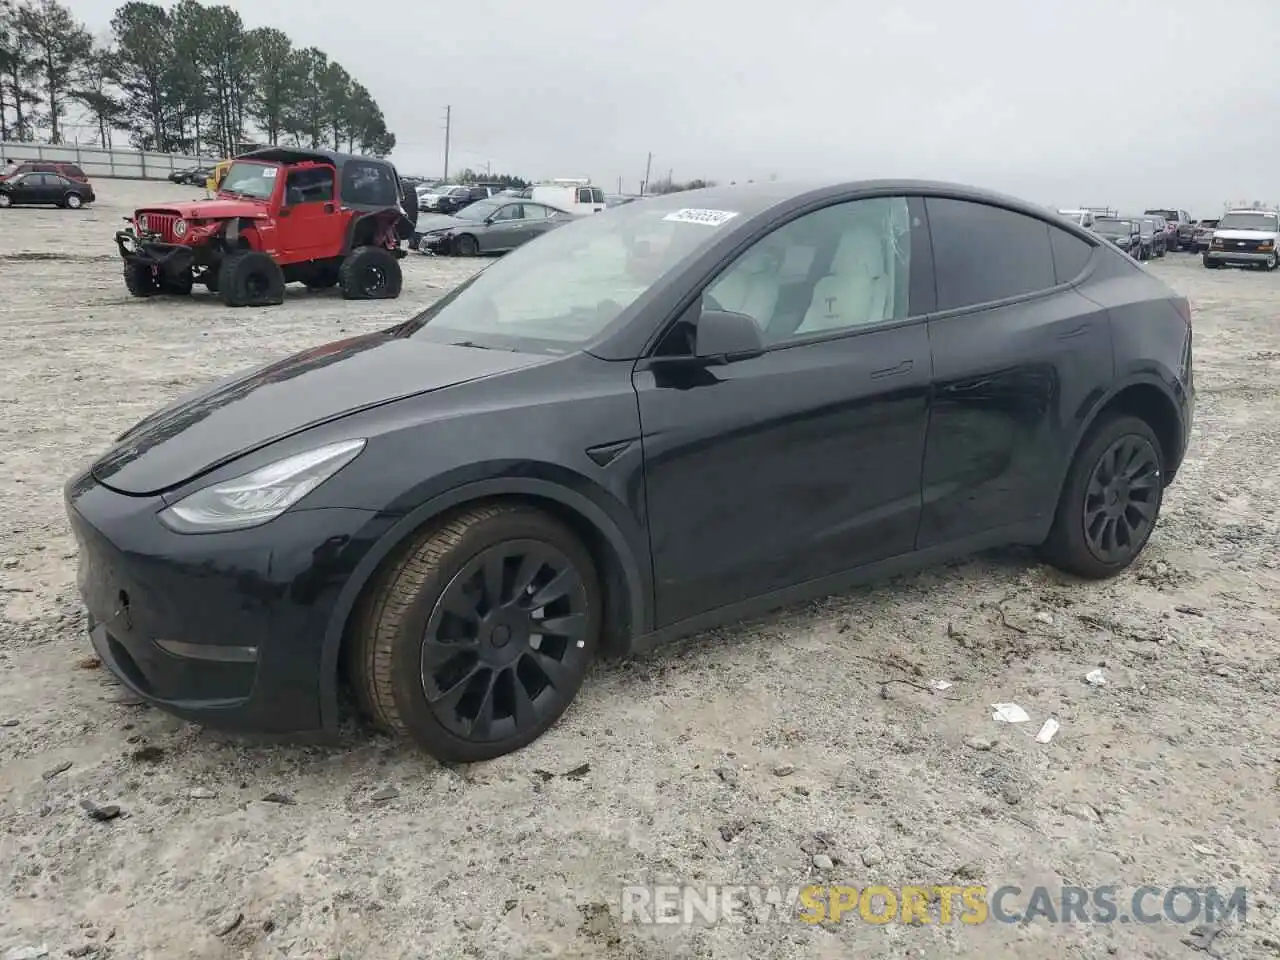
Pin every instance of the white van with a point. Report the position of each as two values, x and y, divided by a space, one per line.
573 196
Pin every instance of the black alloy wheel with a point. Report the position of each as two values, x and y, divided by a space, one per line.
373 281
1110 499
506 641
476 636
1122 499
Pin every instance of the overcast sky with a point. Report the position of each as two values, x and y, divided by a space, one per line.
1124 102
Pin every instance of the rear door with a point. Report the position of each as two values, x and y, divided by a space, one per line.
1018 355
309 226
803 462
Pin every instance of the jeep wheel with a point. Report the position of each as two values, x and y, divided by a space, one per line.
139 279
179 285
476 640
370 273
72 201
466 246
249 278
1110 500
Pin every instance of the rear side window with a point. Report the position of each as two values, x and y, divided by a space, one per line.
71 170
1070 254
369 184
982 253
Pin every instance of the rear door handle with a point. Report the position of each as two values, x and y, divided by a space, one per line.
903 367
1075 332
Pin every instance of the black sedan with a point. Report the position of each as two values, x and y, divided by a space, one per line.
1125 234
488 226
675 414
48 189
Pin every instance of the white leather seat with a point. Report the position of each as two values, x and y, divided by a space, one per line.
858 290
750 286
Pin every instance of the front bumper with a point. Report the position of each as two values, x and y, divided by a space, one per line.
1241 257
437 243
147 251
223 629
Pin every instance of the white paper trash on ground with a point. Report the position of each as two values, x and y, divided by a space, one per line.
941 684
1009 713
1046 733
1095 678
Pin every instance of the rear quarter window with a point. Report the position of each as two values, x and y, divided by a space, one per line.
1070 254
984 253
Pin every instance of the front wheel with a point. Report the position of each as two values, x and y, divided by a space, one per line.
1110 500
1210 264
1272 261
477 640
466 246
370 273
72 201
5 200
250 278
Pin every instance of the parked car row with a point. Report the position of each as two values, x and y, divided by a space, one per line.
495 225
196 176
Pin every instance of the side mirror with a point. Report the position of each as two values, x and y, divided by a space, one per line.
723 334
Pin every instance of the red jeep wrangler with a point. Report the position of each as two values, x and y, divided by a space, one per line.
281 215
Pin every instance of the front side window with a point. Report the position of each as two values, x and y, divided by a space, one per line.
839 268
311 185
256 180
983 254
584 194
512 211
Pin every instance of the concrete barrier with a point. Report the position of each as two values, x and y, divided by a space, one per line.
98 162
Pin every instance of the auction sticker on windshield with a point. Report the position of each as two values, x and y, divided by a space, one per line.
710 218
269 172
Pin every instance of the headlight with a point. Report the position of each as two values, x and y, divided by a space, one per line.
142 222
1216 242
261 496
179 228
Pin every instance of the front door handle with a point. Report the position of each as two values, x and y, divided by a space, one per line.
1074 332
903 367
328 208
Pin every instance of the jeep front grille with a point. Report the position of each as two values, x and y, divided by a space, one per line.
161 224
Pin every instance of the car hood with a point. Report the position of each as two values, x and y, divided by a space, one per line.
442 222
209 209
1244 234
249 411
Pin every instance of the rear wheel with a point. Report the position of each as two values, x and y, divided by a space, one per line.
466 246
1110 500
140 280
249 278
370 273
477 639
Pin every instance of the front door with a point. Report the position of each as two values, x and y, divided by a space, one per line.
309 225
507 229
802 462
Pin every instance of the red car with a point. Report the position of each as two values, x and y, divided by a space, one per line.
68 170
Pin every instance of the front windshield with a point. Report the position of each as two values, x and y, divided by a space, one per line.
1167 214
477 211
250 180
1113 226
1249 221
575 281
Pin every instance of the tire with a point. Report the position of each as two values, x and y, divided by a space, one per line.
405 609
249 278
1272 262
72 201
5 201
322 278
140 281
1210 264
179 286
466 246
370 273
1069 546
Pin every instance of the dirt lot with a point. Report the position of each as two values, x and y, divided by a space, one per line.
742 756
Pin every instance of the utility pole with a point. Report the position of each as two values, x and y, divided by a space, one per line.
644 187
619 185
448 123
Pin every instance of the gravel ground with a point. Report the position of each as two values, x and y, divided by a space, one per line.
740 756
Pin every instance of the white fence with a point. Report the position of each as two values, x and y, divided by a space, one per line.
99 162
